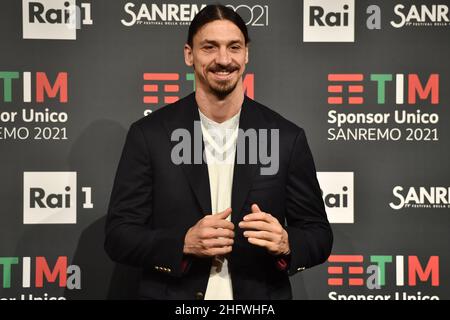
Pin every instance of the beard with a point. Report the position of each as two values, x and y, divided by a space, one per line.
222 88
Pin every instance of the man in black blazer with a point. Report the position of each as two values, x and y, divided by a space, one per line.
160 216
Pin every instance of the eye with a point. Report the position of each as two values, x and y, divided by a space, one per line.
208 47
235 47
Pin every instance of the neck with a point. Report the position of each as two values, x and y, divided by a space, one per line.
220 109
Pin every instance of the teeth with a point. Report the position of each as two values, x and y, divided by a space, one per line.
222 73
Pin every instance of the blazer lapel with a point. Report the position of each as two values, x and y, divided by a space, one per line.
197 171
244 172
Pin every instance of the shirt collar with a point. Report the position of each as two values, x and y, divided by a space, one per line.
231 123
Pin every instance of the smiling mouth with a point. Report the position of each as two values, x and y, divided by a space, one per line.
223 75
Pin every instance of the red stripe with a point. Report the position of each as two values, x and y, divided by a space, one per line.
345 77
335 270
335 282
334 100
355 100
355 270
161 76
150 87
171 88
335 89
345 258
170 99
150 99
355 282
355 88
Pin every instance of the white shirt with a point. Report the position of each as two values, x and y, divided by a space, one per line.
220 149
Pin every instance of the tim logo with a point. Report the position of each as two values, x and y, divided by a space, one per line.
44 273
36 87
350 270
54 19
51 198
328 21
350 88
337 193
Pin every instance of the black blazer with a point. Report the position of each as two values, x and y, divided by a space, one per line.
154 202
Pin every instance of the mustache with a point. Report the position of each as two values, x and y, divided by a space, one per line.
229 68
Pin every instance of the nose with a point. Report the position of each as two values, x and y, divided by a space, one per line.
223 57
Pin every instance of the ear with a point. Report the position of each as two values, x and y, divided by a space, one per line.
188 58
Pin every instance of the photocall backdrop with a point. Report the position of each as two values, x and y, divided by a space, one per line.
367 80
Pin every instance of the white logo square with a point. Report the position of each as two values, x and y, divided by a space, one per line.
328 20
49 197
337 192
49 19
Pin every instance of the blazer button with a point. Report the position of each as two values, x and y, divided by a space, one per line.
199 295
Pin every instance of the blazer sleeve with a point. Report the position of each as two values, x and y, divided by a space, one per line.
310 234
129 239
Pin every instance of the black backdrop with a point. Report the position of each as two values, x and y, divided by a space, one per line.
93 86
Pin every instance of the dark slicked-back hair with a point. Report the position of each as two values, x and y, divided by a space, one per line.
214 12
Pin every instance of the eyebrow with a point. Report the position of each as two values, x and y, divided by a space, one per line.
217 43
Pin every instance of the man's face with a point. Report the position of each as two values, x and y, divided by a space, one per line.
218 55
